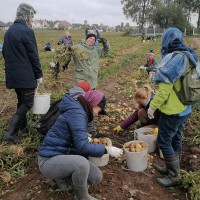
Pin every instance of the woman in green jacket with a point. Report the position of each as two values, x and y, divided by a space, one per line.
86 60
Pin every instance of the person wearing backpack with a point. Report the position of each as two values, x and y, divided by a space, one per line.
46 121
173 112
66 146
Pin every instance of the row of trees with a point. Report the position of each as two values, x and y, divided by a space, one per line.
163 13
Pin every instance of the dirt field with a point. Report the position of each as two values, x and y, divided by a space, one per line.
117 183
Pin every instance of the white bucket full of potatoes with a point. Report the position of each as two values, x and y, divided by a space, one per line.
147 135
136 155
103 160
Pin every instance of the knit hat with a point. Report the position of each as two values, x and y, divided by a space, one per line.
96 98
91 35
84 85
24 11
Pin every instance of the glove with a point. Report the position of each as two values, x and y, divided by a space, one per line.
89 139
150 113
39 80
101 40
143 67
114 151
117 129
52 65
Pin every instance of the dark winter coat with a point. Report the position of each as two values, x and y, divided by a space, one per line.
69 133
22 66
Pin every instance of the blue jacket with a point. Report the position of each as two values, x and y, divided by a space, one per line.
20 52
69 133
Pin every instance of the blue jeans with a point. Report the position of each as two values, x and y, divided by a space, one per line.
170 133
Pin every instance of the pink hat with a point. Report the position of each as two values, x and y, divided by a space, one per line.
96 98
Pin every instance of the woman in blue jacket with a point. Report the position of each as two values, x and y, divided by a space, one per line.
65 148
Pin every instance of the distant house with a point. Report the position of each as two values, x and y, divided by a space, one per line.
40 24
62 25
2 25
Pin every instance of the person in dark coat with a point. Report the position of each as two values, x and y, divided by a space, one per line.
22 67
65 148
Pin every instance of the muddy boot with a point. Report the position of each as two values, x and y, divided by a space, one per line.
81 193
162 170
63 184
13 127
173 167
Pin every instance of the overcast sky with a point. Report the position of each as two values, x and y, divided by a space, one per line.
108 12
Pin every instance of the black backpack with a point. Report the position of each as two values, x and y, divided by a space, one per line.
47 121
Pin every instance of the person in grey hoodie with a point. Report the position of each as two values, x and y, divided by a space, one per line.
22 68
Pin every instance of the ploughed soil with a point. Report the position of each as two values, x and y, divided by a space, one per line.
118 182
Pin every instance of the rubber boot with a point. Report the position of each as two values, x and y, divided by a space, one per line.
81 193
173 167
163 170
63 184
23 127
13 128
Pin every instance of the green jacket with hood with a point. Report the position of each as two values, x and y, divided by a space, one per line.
87 62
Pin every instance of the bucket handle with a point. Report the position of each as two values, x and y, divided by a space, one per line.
124 168
36 91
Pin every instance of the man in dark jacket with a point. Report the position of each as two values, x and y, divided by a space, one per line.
22 67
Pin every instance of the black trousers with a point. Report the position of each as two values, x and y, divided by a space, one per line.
25 97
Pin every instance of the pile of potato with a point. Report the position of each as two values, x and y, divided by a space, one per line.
135 146
105 141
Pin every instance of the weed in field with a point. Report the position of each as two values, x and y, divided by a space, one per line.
191 182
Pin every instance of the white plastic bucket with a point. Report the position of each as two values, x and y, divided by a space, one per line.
100 161
136 161
149 139
103 160
41 103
